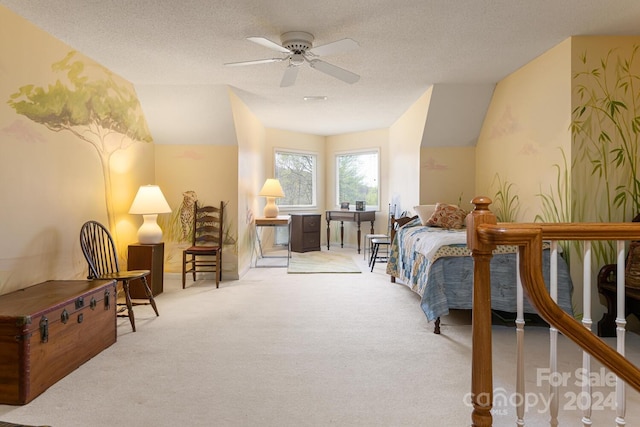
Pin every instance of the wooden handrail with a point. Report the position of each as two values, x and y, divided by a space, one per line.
483 234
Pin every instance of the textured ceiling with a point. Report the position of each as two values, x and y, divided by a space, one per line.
405 47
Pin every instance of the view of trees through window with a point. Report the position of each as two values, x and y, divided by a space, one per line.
358 178
297 175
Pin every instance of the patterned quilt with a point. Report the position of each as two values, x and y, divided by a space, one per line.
435 263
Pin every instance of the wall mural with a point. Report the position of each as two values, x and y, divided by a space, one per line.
606 132
178 230
87 101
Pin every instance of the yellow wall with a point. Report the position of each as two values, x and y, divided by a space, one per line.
211 171
51 182
447 175
526 129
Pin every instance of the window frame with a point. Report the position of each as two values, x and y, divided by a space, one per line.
338 154
314 179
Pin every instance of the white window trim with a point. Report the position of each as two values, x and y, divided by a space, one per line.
314 204
337 174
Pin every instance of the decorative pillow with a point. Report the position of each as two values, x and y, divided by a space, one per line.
424 212
447 216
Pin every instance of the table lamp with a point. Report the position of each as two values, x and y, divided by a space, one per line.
271 189
149 202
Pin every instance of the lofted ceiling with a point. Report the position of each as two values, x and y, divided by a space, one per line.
178 48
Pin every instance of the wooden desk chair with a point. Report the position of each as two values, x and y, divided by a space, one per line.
100 252
205 253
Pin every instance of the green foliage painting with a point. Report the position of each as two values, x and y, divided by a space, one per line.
98 111
606 129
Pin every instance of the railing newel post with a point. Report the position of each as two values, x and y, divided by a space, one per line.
481 362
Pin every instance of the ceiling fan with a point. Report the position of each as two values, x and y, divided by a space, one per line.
297 47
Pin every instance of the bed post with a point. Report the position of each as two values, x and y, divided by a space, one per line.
481 362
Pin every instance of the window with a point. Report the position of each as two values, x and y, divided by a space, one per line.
357 178
297 174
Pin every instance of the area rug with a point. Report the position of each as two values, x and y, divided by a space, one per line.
322 262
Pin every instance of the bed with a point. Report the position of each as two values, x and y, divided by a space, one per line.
435 263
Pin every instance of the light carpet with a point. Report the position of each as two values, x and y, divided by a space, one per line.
322 262
271 350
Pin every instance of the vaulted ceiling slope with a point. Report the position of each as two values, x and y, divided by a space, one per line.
405 47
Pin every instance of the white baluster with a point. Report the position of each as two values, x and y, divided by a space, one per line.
621 323
520 346
585 396
553 336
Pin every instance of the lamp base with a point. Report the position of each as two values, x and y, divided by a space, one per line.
271 209
150 232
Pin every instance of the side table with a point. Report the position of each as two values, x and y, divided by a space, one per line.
279 221
146 257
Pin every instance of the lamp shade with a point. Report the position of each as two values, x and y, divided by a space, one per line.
149 200
271 188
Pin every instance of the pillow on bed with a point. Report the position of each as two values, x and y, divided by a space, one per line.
447 216
424 212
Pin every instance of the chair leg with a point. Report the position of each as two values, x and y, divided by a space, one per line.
184 268
193 264
374 255
218 269
127 297
147 290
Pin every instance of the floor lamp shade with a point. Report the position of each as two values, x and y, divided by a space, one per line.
149 202
271 189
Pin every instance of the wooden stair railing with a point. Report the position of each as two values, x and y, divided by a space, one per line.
483 235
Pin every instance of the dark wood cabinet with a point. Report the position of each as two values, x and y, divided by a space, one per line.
305 232
146 257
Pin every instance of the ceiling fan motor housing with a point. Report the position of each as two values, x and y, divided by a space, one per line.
297 41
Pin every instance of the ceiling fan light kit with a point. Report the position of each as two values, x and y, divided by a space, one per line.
298 49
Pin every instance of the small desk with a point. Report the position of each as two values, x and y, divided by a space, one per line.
279 221
351 216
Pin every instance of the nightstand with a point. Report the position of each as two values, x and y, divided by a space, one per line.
146 257
305 232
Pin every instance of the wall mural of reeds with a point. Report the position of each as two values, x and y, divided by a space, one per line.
605 128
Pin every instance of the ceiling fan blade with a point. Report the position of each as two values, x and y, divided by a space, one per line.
269 44
334 71
257 61
340 46
289 77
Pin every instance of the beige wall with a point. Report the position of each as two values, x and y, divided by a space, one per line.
51 182
405 136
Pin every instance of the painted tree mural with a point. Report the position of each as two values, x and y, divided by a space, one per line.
96 110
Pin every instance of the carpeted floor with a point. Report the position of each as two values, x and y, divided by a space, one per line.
322 262
278 349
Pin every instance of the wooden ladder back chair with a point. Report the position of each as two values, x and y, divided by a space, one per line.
101 255
205 253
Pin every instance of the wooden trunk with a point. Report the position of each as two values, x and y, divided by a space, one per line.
50 329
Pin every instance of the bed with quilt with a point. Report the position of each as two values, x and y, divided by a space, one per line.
434 262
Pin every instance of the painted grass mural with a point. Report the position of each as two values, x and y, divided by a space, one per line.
606 128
